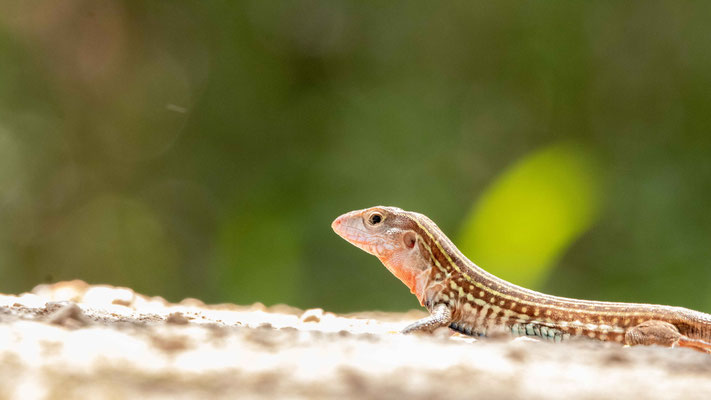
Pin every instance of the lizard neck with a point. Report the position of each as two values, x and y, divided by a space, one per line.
415 274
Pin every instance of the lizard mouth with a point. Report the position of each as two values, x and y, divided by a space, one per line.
351 234
355 236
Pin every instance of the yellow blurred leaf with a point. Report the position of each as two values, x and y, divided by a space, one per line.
533 212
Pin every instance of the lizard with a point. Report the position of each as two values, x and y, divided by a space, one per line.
464 297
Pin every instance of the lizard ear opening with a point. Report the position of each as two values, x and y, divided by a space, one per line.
410 239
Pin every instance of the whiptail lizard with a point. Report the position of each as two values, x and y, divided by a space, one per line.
462 296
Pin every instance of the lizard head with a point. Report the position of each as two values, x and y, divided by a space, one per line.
390 234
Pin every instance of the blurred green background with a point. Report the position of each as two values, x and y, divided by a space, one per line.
202 149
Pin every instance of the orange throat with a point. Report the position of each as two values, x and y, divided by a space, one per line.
412 279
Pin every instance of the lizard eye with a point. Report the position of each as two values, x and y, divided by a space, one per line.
375 219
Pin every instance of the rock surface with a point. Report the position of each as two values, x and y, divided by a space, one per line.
72 340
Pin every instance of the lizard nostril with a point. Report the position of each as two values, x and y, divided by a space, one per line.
337 224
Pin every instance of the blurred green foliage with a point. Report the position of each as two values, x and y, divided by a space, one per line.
203 148
533 212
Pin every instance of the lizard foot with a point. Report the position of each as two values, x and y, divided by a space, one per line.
441 316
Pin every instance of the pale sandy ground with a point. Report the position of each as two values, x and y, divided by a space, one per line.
72 340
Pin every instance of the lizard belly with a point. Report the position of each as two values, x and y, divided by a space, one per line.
487 318
473 321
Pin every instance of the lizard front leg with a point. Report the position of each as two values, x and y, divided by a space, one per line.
663 334
441 316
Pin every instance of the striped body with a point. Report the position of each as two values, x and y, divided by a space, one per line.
414 249
480 301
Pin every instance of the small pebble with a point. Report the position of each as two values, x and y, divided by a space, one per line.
312 315
177 319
